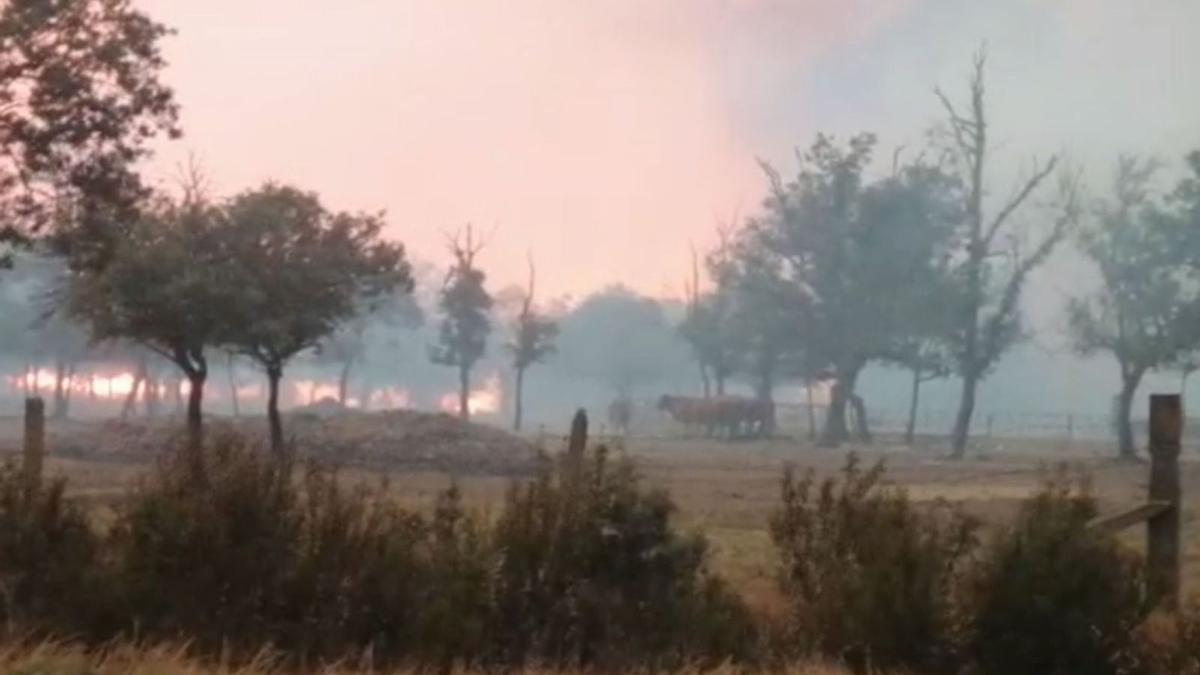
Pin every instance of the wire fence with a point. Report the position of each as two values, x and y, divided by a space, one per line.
798 420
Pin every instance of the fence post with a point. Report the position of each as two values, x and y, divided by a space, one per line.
34 448
1162 530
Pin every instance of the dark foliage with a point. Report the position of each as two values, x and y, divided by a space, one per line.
1051 596
870 577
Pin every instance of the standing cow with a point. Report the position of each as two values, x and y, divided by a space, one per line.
620 415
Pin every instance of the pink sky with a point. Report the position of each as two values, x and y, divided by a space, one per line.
599 135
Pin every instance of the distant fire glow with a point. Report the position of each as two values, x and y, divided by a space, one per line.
91 384
311 391
391 397
119 386
483 400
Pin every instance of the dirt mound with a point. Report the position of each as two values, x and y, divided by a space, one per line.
394 440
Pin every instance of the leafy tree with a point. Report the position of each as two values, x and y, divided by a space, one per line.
168 286
926 359
80 98
856 255
533 336
994 262
767 318
1144 312
621 339
466 323
351 343
302 271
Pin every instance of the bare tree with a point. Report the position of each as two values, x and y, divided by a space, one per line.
532 342
993 268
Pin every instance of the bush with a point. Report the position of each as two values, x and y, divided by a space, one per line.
870 578
592 572
245 556
48 557
1168 643
579 569
1051 596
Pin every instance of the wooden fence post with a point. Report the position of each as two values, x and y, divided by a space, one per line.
34 448
1162 530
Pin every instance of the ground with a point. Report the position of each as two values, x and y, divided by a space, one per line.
727 490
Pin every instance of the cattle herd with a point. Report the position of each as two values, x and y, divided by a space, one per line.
728 416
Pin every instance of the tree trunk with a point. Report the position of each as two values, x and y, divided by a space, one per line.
910 429
274 422
464 393
139 377
517 403
812 411
153 396
835 431
861 428
1126 447
231 375
966 408
60 376
344 381
195 417
70 388
704 379
765 389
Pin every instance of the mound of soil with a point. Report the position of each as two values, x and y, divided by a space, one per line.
393 440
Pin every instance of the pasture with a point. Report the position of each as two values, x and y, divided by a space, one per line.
727 490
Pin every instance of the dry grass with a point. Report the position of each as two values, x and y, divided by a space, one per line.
58 659
727 490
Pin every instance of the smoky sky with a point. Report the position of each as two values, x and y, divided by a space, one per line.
603 137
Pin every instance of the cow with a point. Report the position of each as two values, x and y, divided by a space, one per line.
731 416
620 414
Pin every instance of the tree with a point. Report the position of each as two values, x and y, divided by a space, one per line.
302 271
80 98
708 325
926 359
533 335
1145 311
990 276
621 340
351 344
466 324
854 254
167 286
767 318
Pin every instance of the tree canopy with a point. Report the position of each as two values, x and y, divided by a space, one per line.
80 98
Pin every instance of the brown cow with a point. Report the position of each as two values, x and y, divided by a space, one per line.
731 416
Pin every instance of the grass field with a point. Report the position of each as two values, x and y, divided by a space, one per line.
727 490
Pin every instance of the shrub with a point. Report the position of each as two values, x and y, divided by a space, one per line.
246 556
592 572
1168 643
1052 596
48 557
870 578
204 556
